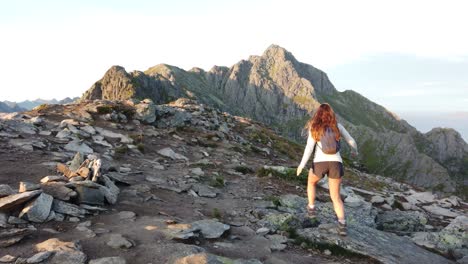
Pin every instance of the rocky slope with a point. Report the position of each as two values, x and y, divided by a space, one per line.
280 91
187 183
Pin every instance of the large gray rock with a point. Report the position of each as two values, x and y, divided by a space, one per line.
110 190
401 221
76 162
382 246
278 221
68 209
88 195
38 210
78 146
146 111
117 241
15 200
210 228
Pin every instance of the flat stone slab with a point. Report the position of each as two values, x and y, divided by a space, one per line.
382 246
28 186
434 209
14 200
68 209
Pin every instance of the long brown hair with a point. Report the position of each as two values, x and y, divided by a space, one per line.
324 117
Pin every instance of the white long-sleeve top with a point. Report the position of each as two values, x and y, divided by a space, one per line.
319 155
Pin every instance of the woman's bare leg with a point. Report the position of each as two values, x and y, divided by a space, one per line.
312 180
334 185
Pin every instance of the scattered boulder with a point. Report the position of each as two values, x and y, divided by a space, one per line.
125 215
204 191
210 228
401 222
277 242
145 111
78 146
117 241
377 199
38 210
277 221
110 190
169 153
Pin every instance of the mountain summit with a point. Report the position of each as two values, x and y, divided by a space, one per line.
280 91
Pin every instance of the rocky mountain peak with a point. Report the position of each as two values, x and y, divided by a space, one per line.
448 144
278 53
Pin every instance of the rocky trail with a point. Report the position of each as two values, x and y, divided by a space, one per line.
135 182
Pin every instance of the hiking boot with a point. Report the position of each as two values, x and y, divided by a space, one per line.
342 230
311 212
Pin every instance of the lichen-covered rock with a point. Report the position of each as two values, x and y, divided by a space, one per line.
401 221
452 237
146 111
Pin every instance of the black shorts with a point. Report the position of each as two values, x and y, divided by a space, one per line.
333 169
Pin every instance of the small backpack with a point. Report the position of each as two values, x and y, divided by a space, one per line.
329 143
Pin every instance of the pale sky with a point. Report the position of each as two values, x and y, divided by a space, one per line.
54 49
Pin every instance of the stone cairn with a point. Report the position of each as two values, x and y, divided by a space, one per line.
77 190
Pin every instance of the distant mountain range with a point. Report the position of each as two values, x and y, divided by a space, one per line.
8 107
280 91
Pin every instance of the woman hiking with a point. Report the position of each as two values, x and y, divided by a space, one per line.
325 132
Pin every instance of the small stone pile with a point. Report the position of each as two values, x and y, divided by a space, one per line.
78 190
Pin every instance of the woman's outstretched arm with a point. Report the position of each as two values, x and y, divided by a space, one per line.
350 140
307 152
